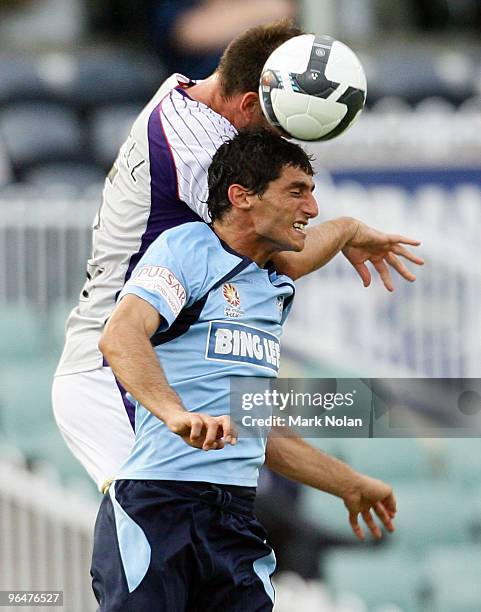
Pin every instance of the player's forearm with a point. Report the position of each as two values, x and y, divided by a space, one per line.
323 242
135 364
297 460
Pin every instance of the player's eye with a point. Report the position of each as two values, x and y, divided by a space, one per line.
297 194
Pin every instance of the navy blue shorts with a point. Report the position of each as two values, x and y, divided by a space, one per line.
180 547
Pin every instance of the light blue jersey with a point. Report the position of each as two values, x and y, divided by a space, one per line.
222 316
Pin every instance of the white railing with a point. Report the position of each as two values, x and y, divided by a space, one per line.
46 538
44 247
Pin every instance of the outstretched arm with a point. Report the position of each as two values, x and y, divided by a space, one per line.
359 243
293 458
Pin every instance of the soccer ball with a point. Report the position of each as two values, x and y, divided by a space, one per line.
312 87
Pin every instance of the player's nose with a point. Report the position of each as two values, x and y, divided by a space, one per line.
310 207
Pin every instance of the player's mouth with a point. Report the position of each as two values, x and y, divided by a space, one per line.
300 227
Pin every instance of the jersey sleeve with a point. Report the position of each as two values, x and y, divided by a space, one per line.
194 133
166 278
281 280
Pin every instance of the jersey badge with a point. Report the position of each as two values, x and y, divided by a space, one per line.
232 297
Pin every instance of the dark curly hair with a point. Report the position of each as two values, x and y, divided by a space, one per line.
253 158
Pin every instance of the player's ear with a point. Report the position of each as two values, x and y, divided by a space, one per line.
238 197
250 107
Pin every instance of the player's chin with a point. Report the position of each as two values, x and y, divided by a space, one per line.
298 241
293 240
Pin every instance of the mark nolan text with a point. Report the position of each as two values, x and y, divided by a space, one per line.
299 421
326 421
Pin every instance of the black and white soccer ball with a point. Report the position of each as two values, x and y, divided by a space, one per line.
312 87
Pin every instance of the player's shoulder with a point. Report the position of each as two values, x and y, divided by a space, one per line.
188 235
197 255
197 246
193 242
179 107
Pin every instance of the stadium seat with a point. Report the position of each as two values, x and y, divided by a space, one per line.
58 314
327 512
452 576
410 77
391 105
25 391
379 577
109 127
475 515
5 169
12 454
92 195
414 76
20 80
462 458
390 459
435 105
102 76
22 333
17 192
83 79
471 106
36 133
52 451
456 71
25 405
431 513
26 418
73 175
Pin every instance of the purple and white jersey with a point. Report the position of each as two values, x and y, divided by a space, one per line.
158 181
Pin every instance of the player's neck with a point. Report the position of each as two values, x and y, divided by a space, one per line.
209 92
244 241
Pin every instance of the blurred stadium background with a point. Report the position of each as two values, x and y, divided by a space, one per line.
73 75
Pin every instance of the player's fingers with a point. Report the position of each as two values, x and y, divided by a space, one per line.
390 504
404 239
210 440
400 268
400 250
384 273
383 515
353 521
370 522
196 427
230 433
364 273
217 445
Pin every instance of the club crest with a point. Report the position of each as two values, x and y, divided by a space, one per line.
231 295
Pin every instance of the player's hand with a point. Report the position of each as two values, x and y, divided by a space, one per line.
201 430
382 250
370 494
